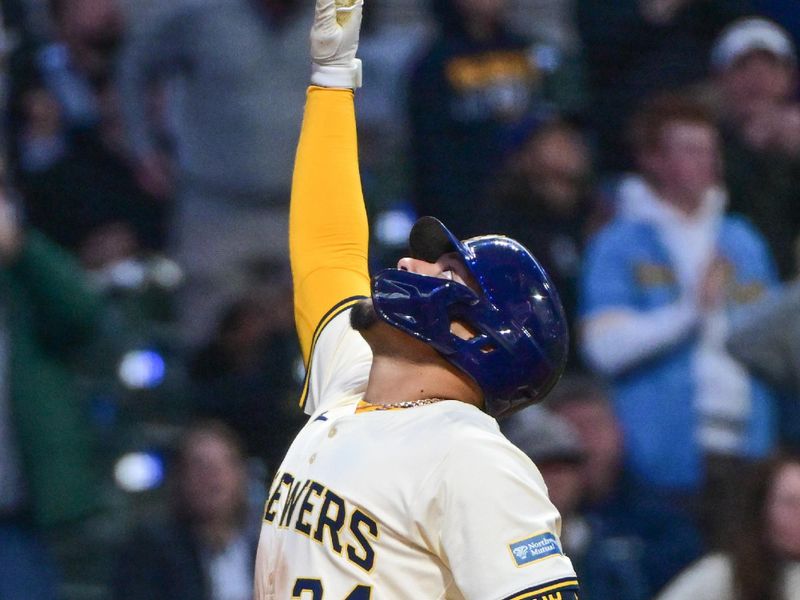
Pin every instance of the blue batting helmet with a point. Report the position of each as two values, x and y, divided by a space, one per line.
520 344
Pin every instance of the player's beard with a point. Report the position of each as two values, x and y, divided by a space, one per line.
363 315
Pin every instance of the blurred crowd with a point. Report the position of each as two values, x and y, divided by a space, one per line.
646 151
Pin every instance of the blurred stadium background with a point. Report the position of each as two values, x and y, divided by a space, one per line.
144 285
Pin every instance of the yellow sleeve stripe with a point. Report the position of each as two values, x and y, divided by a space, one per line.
338 309
536 592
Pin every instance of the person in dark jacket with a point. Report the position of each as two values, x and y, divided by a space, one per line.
635 49
469 92
636 544
203 550
546 199
756 74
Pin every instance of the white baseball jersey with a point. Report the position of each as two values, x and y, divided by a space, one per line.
430 502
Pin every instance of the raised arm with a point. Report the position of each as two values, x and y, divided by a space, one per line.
328 231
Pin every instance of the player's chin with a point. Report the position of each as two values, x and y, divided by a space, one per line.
363 316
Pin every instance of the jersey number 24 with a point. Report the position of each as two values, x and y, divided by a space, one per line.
360 592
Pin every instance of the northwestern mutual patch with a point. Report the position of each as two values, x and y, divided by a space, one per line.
532 549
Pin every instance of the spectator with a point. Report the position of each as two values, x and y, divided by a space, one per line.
231 67
552 21
38 126
75 173
762 558
636 48
660 285
780 12
636 546
756 74
471 89
767 341
203 550
583 402
90 194
82 59
545 201
246 375
70 70
47 477
556 450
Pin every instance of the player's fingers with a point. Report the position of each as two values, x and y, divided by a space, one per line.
326 34
325 11
346 8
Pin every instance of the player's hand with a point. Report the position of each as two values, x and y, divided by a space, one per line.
334 41
713 287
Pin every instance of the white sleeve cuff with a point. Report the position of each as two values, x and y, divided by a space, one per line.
337 76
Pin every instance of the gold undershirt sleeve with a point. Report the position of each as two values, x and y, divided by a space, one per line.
328 229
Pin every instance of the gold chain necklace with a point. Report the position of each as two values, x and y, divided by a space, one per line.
407 403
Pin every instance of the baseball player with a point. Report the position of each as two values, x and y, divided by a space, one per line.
400 486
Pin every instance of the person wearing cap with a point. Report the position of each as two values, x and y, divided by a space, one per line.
755 66
782 12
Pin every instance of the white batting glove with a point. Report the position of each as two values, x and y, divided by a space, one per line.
334 41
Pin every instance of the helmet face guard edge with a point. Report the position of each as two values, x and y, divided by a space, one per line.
520 345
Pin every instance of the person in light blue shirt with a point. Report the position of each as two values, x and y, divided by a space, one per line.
661 286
